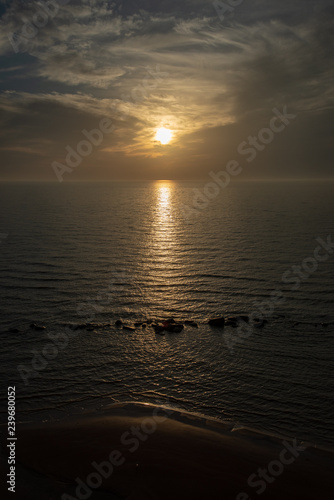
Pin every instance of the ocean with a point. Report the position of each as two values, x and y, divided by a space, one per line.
98 252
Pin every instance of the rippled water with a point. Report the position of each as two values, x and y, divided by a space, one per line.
99 252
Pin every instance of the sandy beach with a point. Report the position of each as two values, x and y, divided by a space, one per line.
138 451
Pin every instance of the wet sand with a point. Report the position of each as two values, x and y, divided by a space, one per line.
159 453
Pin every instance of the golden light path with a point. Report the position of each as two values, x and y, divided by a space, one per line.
163 135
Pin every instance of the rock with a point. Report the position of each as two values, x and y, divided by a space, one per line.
169 320
235 320
33 326
143 325
97 325
14 330
158 328
175 328
259 323
118 322
139 323
129 328
217 322
231 322
191 323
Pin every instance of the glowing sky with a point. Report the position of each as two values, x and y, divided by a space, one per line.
212 80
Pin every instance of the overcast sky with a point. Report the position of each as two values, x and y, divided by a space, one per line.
212 77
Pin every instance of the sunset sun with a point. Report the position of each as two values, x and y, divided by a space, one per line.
163 135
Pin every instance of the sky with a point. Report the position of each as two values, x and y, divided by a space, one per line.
215 74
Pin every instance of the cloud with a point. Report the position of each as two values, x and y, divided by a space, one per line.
96 58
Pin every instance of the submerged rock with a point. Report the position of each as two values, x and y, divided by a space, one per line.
33 326
217 322
169 320
158 328
191 323
234 321
129 328
260 323
118 322
174 328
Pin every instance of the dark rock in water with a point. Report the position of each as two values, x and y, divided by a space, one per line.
235 320
118 322
169 320
231 322
191 323
217 322
33 326
14 330
81 326
174 328
139 323
129 328
158 328
143 325
260 323
97 325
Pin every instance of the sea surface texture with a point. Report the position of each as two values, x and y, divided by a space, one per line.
94 253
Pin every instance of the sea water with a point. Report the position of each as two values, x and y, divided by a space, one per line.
98 252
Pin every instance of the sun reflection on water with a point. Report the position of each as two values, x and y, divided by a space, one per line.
164 220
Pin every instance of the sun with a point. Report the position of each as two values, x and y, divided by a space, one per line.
163 135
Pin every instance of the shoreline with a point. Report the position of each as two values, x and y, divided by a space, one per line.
158 452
